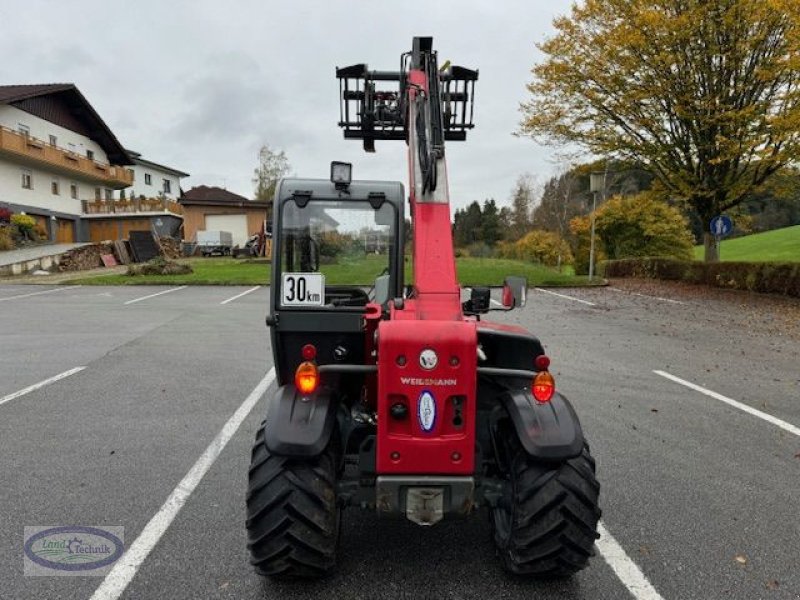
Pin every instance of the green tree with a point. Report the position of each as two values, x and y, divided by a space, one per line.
467 225
491 231
271 167
704 93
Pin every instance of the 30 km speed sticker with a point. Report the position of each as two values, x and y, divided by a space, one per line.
303 289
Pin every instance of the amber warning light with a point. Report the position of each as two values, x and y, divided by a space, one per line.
544 385
306 378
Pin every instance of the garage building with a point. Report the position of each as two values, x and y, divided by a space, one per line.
215 209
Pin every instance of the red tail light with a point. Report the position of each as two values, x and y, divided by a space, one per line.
306 378
543 387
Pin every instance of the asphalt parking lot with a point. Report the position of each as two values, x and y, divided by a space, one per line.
116 404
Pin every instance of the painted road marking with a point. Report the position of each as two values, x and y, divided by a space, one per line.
125 569
495 302
743 407
135 300
41 384
624 568
60 289
647 296
565 296
240 295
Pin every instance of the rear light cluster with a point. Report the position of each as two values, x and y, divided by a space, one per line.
544 385
306 377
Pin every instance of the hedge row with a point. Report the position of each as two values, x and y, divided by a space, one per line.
768 277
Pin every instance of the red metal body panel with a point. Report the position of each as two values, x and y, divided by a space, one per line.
404 447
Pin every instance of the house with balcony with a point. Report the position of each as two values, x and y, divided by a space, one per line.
61 164
153 180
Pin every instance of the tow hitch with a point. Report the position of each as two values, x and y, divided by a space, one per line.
424 500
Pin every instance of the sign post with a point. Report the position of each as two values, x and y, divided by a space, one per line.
721 226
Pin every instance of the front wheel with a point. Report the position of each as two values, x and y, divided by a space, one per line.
292 515
545 523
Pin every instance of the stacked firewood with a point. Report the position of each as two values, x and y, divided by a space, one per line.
84 257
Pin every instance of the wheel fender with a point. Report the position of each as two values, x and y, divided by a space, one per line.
549 430
298 425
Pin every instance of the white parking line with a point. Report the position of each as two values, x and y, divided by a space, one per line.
647 296
734 403
624 568
565 296
135 300
41 384
60 289
240 295
125 569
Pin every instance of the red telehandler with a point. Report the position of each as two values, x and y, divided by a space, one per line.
400 399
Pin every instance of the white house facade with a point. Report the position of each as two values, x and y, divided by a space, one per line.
152 179
61 164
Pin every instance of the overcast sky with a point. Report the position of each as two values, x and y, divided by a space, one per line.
201 85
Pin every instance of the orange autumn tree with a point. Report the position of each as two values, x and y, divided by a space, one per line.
705 93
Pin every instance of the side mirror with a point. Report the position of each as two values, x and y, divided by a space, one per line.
515 292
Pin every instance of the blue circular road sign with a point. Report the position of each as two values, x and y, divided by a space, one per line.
721 225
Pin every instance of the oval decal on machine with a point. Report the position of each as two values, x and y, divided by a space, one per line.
428 359
426 411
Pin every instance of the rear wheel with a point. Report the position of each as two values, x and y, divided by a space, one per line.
292 515
545 524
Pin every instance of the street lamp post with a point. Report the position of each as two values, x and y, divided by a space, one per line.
591 243
597 183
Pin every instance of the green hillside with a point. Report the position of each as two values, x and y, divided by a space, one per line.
779 245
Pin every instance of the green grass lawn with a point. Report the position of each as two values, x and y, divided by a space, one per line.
229 271
207 271
779 245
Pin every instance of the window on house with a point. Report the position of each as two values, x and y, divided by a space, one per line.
27 179
23 129
90 154
98 194
73 191
109 194
53 140
167 186
54 187
148 179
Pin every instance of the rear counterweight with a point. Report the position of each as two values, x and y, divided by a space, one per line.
426 397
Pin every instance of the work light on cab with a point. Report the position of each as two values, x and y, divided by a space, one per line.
306 378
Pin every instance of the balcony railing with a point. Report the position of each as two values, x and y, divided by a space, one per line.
66 161
132 206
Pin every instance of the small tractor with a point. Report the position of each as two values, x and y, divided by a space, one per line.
400 399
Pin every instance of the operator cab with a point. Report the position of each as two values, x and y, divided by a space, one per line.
337 246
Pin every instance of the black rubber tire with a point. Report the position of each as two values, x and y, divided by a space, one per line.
292 513
546 523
